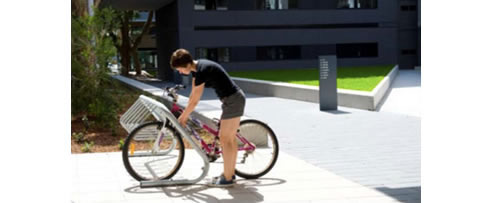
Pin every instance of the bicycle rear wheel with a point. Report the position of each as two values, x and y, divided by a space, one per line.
146 160
252 164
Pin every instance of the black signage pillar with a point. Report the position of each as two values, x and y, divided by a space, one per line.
328 82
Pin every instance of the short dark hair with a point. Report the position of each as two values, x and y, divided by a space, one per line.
181 58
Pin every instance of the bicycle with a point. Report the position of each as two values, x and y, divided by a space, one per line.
154 150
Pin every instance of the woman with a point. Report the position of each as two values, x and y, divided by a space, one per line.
210 74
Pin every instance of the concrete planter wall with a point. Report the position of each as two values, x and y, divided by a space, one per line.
347 98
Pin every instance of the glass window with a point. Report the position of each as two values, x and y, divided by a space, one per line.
210 5
275 4
357 4
223 54
408 8
357 50
278 53
214 54
201 53
408 52
199 5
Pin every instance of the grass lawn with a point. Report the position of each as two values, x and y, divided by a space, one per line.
363 78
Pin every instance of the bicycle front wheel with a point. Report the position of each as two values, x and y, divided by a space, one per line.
147 158
252 164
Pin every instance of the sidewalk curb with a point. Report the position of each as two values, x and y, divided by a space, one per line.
348 98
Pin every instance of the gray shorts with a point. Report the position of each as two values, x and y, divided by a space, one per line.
233 105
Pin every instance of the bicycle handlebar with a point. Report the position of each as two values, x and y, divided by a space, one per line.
171 91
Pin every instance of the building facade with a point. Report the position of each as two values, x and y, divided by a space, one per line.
284 34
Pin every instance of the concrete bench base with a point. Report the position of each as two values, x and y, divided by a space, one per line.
347 98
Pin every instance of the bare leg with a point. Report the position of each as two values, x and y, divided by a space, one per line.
228 129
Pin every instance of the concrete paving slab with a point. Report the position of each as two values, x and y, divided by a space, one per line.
380 150
404 96
302 183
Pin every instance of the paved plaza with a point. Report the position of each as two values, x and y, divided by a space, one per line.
101 177
376 152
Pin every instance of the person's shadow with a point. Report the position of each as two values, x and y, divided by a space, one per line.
194 193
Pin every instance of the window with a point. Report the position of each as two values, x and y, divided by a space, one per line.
276 4
408 52
357 50
214 54
210 5
368 4
408 8
278 53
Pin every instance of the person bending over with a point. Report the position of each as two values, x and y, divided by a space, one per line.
209 74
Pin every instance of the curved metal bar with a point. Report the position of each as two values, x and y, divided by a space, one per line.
160 111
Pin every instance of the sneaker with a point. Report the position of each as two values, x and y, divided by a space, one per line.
221 182
217 177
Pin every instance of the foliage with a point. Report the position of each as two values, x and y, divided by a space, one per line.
79 137
92 50
121 143
127 36
87 146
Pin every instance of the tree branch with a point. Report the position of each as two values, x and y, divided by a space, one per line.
145 30
115 40
96 3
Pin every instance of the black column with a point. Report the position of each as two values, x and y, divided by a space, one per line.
167 39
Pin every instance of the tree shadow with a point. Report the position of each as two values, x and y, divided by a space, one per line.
195 193
407 194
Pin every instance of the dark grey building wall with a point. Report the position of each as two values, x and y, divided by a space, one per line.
408 34
309 13
391 29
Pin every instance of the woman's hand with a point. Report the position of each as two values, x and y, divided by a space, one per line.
183 119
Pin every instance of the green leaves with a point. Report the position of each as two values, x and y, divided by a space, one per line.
121 143
78 137
92 51
87 146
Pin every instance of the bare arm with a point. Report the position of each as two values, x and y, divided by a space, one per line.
195 95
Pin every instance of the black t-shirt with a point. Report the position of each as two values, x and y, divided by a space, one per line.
214 76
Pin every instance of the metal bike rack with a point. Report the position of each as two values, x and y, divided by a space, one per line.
139 113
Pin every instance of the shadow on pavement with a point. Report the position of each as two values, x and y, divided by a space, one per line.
407 78
195 192
407 194
336 112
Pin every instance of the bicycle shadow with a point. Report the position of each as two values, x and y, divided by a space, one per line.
196 192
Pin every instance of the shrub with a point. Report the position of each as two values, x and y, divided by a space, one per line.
87 146
92 50
121 143
78 137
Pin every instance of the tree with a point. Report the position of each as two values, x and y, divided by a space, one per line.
91 51
126 38
81 8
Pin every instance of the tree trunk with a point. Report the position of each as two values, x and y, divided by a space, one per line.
136 62
125 60
79 8
125 45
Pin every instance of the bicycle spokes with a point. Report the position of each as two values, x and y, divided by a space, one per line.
258 147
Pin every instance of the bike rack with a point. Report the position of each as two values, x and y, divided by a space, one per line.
138 113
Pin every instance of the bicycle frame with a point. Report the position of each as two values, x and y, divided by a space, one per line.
145 106
210 149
